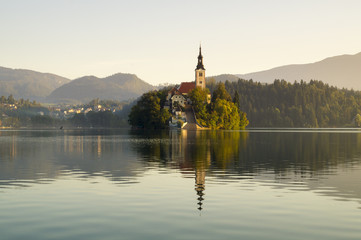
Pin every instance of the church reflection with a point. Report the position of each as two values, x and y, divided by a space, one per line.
199 151
200 175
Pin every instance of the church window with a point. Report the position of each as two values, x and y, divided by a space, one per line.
200 74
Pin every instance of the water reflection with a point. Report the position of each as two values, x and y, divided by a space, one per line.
325 162
195 153
297 161
28 157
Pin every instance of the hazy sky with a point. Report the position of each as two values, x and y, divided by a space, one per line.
159 40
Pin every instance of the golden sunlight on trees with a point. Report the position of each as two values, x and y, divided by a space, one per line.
222 113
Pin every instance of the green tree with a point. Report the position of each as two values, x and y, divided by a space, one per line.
225 115
221 93
3 99
148 112
79 120
11 99
42 121
198 97
243 121
104 119
358 120
236 99
11 122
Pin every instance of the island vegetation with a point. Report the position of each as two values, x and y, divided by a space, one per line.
149 111
222 112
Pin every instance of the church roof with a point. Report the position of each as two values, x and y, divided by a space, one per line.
186 87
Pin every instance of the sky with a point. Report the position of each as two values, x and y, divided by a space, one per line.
159 40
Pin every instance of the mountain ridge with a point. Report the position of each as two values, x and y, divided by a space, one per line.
24 83
341 71
119 86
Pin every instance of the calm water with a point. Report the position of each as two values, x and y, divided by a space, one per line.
256 184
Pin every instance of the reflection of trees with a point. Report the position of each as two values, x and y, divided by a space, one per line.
303 152
192 149
194 152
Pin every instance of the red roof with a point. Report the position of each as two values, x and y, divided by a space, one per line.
174 91
186 87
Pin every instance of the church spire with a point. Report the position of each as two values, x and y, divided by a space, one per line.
200 71
200 59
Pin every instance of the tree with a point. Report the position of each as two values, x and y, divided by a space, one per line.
225 115
148 112
42 121
243 121
236 99
198 97
3 99
11 99
358 120
221 93
79 120
104 119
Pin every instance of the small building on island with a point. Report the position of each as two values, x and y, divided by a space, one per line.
178 96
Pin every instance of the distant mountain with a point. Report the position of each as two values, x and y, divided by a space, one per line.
28 84
224 77
116 87
341 71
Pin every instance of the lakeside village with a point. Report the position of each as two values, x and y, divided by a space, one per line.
24 113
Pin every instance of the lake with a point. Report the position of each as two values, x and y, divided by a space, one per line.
122 184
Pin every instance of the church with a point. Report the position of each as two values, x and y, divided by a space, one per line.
179 95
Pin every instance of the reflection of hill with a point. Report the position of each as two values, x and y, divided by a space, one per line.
28 157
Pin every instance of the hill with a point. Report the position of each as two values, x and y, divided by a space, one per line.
28 84
223 78
341 71
116 87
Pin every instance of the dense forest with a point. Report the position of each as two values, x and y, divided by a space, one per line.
298 104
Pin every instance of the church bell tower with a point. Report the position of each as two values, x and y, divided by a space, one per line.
200 71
